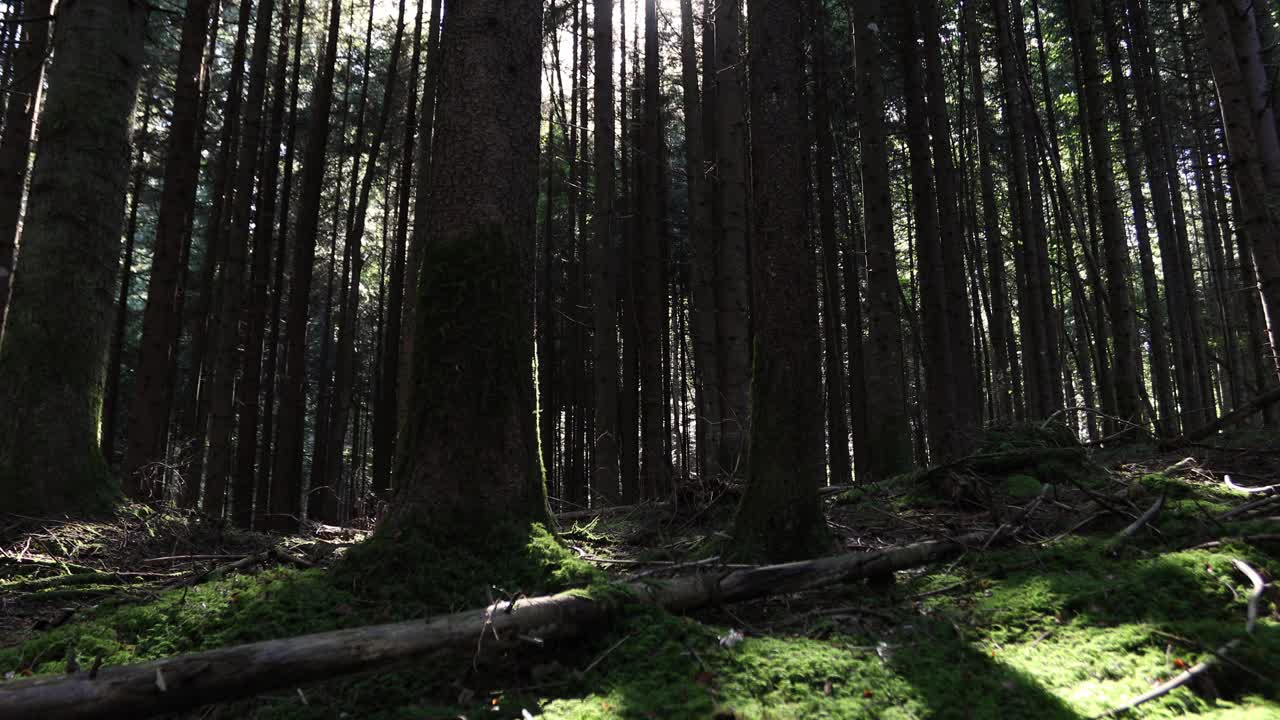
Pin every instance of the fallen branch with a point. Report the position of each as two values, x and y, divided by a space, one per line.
191 680
1254 595
1170 685
1240 414
1138 524
1268 489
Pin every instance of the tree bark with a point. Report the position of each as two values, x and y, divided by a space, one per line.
885 385
604 277
472 433
733 292
780 517
53 360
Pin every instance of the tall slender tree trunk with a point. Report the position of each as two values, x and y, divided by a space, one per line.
231 281
889 427
157 356
421 214
386 409
1167 418
837 425
1127 373
286 488
780 517
655 462
255 309
733 294
115 353
1258 225
25 91
53 360
702 241
962 373
1000 327
604 277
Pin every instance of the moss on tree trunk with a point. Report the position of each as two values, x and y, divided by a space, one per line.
53 360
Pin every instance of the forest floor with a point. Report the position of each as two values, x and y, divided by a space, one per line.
1068 620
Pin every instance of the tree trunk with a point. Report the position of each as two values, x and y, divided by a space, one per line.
1127 374
472 432
255 309
703 245
780 516
940 400
1166 416
54 356
286 487
733 296
25 90
604 277
153 390
115 353
890 432
386 407
962 373
833 351
231 280
1258 225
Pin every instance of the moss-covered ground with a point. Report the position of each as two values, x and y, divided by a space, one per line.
1050 626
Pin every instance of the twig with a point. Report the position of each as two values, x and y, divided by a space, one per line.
1145 518
1249 507
591 666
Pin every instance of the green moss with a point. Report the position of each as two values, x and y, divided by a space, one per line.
1022 486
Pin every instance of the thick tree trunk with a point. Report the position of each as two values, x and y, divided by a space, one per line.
286 487
25 91
153 384
780 516
472 433
53 360
890 434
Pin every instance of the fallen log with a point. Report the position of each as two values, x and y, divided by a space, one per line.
194 679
